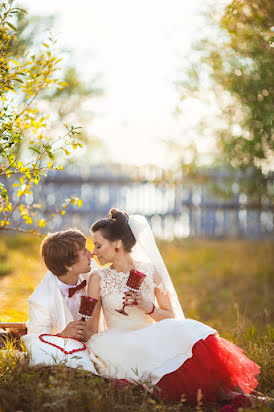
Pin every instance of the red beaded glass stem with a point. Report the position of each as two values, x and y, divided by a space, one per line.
41 337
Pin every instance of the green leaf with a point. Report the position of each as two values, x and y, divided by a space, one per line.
51 155
52 380
11 26
4 192
34 149
18 8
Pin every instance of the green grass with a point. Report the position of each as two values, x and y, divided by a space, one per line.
5 268
226 284
65 389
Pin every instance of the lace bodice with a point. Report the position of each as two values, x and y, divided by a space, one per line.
112 288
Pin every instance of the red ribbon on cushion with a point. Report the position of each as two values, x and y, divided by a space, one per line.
41 337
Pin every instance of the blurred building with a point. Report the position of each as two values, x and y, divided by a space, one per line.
175 207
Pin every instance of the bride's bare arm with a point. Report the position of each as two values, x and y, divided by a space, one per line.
164 311
94 292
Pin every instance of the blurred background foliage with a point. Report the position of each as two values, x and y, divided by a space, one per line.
36 117
232 63
65 104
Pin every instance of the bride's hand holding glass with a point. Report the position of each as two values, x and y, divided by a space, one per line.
136 298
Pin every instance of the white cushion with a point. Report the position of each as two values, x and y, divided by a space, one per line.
46 354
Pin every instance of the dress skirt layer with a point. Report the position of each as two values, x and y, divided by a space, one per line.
145 355
179 357
215 364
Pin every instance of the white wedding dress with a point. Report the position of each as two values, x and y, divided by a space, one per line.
134 347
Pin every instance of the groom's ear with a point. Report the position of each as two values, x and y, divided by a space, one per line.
69 268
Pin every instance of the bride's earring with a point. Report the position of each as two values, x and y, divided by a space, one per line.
116 249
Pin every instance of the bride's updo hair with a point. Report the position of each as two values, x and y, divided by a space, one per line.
116 227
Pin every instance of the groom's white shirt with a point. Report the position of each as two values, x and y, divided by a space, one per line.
48 310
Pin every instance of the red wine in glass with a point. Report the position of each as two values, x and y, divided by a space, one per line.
134 282
87 307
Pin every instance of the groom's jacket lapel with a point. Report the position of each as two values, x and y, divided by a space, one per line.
48 302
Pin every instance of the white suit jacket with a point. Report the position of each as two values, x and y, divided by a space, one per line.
48 311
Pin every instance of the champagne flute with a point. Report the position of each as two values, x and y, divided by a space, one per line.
134 282
87 307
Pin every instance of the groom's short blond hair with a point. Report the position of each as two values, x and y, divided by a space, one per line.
60 249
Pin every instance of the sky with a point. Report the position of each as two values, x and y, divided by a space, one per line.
138 49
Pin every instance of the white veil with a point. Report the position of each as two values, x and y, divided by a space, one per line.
146 250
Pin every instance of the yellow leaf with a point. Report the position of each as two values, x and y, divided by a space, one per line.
41 222
8 207
63 212
79 202
28 220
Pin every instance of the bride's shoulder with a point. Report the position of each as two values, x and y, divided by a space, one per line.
101 272
146 268
98 279
153 278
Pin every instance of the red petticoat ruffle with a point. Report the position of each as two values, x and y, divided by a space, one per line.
215 363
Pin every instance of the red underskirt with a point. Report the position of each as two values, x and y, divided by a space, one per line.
215 363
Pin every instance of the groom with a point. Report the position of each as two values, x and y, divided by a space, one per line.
54 305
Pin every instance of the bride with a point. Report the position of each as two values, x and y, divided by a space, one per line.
154 344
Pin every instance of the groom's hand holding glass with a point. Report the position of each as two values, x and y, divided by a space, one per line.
77 330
